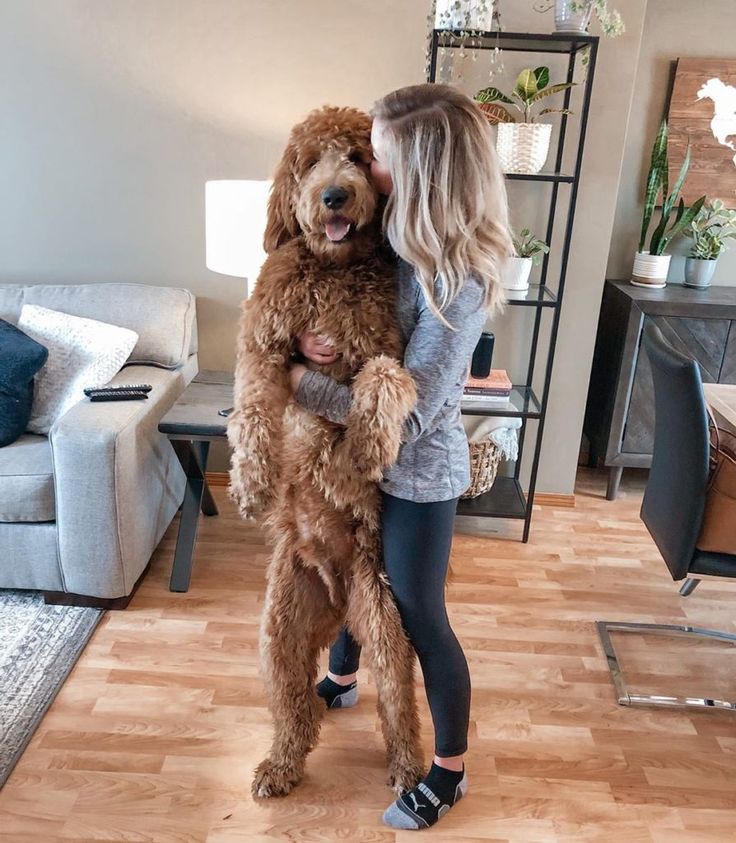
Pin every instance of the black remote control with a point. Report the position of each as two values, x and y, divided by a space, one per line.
119 395
118 387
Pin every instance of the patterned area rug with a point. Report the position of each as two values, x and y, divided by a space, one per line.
39 645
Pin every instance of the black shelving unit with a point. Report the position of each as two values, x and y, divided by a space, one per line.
507 498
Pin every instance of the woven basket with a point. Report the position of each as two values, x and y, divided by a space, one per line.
523 147
484 460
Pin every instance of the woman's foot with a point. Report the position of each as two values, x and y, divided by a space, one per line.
431 799
338 695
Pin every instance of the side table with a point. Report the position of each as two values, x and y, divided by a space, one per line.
190 425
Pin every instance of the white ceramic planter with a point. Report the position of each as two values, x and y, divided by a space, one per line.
523 147
568 21
516 274
650 270
699 272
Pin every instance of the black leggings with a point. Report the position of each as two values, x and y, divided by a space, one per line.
416 552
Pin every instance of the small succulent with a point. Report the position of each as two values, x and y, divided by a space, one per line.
526 245
711 227
532 86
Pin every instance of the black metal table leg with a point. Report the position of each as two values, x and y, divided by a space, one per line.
209 507
197 497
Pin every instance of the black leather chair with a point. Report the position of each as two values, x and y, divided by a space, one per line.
674 503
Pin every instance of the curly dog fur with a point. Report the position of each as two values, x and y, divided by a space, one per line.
313 482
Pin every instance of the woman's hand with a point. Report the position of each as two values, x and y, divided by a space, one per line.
318 349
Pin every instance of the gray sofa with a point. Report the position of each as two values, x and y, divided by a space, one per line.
82 510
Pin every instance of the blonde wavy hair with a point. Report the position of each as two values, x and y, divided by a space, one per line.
447 215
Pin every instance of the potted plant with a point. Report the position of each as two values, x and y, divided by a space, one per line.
713 225
464 15
651 265
528 250
574 16
522 147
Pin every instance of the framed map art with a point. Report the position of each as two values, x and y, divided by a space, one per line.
703 111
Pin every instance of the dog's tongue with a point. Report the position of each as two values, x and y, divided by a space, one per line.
337 229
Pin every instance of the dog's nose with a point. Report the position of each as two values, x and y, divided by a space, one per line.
334 197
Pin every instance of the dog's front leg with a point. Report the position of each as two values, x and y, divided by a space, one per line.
255 428
384 394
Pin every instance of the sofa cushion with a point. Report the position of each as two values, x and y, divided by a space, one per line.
20 358
163 317
27 480
82 353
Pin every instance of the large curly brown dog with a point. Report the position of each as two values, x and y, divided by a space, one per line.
314 482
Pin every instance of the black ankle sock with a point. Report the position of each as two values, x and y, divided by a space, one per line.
329 690
438 791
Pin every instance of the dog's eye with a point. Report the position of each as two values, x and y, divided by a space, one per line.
355 158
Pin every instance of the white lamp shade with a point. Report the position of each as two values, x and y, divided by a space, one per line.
235 219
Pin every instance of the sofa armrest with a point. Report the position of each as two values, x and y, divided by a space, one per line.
117 484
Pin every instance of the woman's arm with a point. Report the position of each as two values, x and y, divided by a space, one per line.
435 356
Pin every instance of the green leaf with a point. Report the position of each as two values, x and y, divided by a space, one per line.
526 85
681 177
656 247
496 113
655 179
555 111
553 89
684 221
541 74
491 94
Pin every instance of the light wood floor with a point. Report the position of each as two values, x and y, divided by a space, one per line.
154 736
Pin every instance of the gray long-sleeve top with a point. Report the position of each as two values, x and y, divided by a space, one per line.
433 461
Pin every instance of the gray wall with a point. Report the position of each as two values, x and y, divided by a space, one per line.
116 113
672 29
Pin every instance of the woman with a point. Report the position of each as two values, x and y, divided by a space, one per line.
446 218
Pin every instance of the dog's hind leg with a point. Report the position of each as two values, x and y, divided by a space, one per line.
374 620
298 620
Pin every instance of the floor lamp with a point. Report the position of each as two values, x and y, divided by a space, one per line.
235 220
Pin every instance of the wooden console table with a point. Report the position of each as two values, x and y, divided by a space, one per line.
619 417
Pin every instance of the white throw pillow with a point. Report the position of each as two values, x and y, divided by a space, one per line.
82 353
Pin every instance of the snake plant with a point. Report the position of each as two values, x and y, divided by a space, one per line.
658 183
531 87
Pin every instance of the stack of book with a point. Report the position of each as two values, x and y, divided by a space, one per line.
495 388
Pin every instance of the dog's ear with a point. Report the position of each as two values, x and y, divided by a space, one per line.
281 222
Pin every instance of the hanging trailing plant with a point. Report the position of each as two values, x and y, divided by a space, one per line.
609 20
462 23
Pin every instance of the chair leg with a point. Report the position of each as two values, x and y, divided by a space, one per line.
658 700
687 588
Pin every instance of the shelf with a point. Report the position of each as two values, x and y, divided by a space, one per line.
523 403
535 296
531 42
545 177
505 500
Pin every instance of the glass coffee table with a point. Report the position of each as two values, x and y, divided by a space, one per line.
192 423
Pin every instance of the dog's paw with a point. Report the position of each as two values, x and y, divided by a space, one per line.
273 779
404 777
252 499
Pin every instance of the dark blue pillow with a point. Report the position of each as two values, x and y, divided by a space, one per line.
20 359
